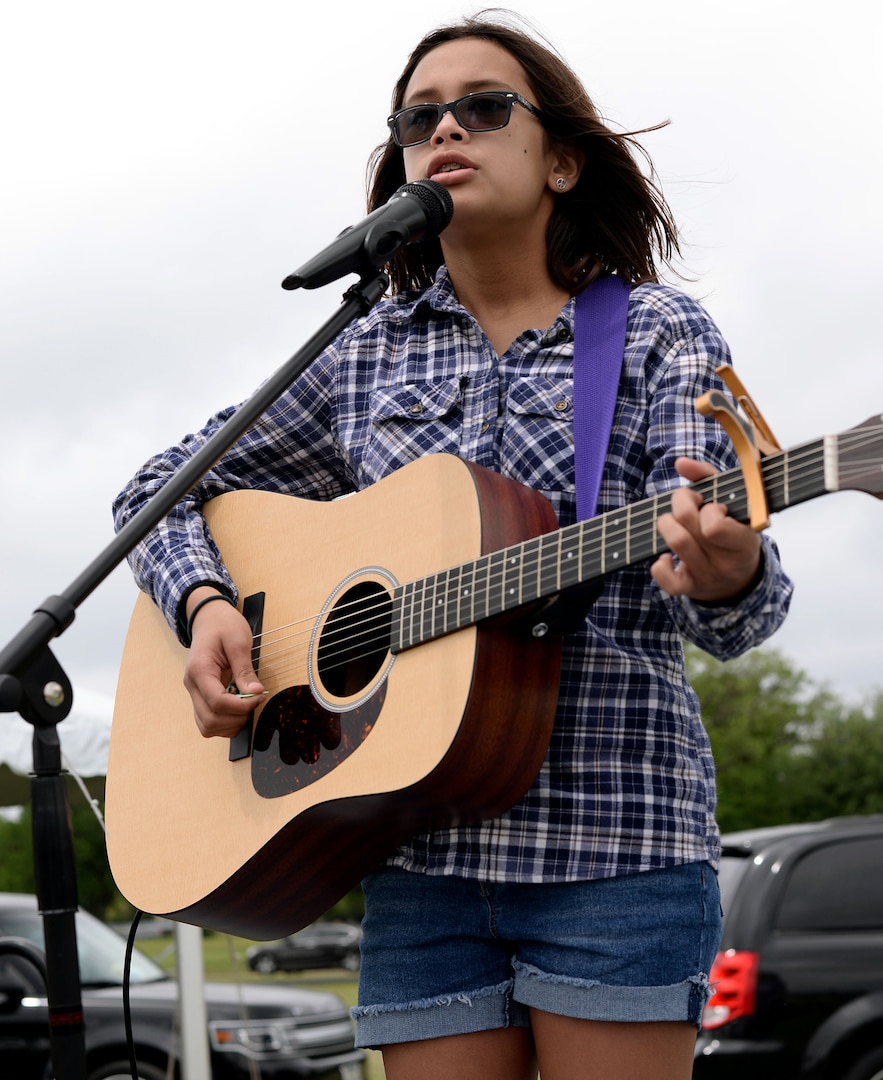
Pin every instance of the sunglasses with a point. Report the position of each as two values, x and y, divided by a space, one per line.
488 110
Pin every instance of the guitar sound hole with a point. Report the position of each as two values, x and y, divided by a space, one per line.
355 639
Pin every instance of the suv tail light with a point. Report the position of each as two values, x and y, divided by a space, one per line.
733 980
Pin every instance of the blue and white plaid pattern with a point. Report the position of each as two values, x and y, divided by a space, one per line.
628 782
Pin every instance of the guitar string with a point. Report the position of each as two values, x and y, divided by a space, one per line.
350 634
363 633
344 632
625 520
377 643
625 512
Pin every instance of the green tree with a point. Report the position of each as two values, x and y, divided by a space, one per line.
757 710
95 886
839 767
16 859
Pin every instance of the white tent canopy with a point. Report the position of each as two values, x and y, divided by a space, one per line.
84 735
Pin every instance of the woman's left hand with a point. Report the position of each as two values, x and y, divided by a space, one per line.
712 558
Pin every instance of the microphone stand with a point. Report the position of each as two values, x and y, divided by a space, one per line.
33 683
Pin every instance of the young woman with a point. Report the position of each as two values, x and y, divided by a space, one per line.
574 933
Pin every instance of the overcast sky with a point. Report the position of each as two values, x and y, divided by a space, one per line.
166 165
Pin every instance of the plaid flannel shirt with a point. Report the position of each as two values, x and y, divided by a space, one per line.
628 780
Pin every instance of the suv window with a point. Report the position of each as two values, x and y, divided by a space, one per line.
836 887
729 875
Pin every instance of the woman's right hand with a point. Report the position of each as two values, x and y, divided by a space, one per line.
219 658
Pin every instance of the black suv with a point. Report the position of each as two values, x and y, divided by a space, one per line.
798 983
322 945
278 1032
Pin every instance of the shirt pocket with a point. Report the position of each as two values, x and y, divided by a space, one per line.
537 446
409 421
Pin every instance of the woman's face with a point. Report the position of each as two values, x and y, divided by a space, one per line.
497 177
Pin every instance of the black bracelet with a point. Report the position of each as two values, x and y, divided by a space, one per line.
206 600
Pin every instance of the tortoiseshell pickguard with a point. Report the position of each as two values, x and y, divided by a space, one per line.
297 741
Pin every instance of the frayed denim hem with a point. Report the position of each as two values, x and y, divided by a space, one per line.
587 999
459 1013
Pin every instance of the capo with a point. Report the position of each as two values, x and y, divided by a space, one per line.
763 436
751 436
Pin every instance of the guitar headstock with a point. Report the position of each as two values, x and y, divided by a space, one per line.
860 457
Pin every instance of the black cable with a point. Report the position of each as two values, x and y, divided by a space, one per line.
127 1006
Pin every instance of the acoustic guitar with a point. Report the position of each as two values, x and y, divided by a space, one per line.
408 638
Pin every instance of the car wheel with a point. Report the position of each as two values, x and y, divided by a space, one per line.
119 1070
351 961
868 1067
266 965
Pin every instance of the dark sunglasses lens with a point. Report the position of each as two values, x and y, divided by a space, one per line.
415 125
483 112
475 112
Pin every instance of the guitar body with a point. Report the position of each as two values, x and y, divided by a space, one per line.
342 768
405 691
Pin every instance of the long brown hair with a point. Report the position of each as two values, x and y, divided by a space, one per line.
614 219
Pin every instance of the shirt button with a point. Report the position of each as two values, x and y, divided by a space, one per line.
561 406
416 409
563 333
485 427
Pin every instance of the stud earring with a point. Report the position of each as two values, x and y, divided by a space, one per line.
561 183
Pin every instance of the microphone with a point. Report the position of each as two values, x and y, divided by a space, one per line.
418 211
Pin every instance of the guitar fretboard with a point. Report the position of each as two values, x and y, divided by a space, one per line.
585 552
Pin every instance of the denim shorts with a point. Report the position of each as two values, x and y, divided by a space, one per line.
449 956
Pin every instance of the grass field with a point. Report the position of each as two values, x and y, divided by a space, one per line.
224 960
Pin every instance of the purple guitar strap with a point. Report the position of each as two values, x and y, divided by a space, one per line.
598 347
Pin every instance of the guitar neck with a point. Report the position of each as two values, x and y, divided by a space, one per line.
587 551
